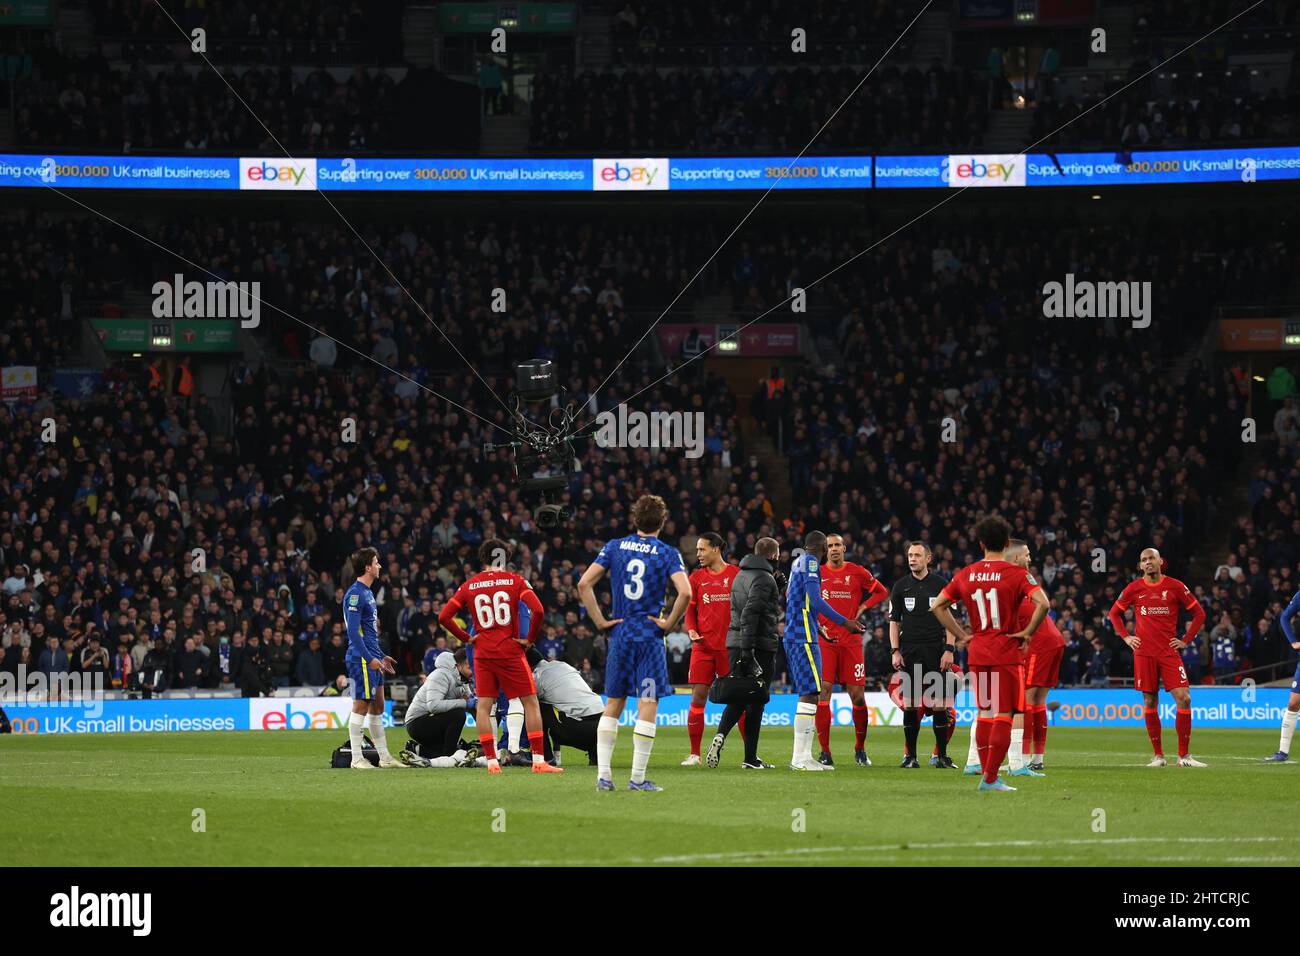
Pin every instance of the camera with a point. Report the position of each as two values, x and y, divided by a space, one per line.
545 460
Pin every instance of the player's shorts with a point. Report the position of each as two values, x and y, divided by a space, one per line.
1150 672
998 687
922 681
503 675
707 664
1295 681
1043 668
842 661
366 681
804 662
637 669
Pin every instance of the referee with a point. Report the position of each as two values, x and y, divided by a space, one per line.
922 653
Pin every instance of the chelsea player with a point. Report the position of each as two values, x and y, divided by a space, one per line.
640 567
1293 705
803 604
366 662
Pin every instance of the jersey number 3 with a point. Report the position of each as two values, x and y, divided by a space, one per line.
634 586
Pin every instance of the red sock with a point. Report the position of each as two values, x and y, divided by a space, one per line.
537 744
1183 722
489 744
824 724
1153 730
860 718
1040 729
695 727
999 736
740 724
983 728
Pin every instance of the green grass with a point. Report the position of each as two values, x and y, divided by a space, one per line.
271 800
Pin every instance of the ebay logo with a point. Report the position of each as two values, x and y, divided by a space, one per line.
638 174
1000 170
281 173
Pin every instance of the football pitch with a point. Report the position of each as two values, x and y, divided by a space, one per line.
270 799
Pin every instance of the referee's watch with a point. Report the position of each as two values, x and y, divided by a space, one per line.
950 648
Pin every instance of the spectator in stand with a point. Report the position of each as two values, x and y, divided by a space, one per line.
156 669
310 668
53 661
280 656
94 658
1223 645
1099 663
333 656
430 659
551 645
877 657
1192 656
592 676
188 666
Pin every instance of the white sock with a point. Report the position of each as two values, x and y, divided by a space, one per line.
1288 728
973 754
805 728
444 763
515 726
606 734
643 741
1016 752
356 724
375 724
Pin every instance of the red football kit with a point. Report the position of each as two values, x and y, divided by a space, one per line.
844 588
993 591
1155 623
709 614
1046 648
492 599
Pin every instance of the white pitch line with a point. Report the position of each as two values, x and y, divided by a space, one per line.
893 849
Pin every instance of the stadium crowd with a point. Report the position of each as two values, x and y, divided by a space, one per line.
146 522
760 109
663 33
1201 103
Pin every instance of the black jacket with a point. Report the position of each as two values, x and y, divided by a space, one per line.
755 608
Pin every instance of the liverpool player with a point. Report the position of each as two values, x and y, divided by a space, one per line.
1042 673
492 598
707 618
992 590
850 589
1158 600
